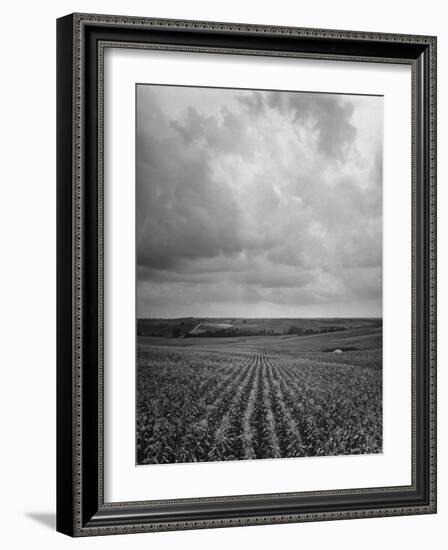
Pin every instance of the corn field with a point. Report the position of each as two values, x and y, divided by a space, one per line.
199 405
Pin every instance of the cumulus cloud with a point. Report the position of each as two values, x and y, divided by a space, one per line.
258 203
327 115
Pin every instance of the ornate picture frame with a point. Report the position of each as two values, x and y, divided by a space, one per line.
81 506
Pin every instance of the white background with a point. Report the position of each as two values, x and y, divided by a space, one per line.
27 229
125 482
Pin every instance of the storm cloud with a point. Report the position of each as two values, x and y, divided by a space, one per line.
257 203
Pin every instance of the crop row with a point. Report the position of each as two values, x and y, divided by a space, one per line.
196 405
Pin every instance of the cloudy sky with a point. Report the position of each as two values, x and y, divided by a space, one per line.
258 204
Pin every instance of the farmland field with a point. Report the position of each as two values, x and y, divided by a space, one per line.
273 396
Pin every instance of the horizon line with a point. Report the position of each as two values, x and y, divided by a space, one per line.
256 317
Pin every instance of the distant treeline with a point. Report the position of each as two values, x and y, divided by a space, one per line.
230 332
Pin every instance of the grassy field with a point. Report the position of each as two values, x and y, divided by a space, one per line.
208 399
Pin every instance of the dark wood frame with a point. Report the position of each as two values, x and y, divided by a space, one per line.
81 510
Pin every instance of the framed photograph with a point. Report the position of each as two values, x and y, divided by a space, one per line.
246 274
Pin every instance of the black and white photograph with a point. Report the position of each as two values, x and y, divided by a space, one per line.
259 274
246 223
